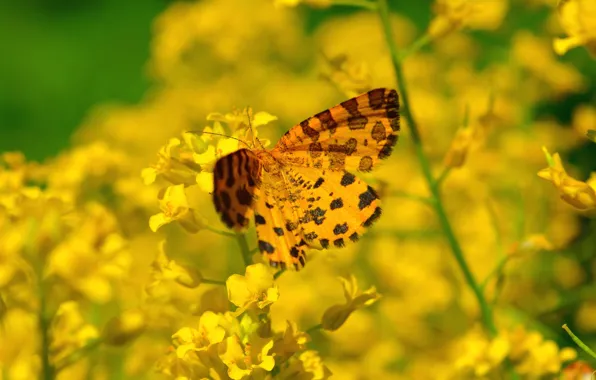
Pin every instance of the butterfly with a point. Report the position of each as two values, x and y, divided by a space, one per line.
302 193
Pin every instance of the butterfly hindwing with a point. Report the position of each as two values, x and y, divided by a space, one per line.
278 227
336 207
236 183
354 135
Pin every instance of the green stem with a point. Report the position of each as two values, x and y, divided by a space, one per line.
246 255
443 176
212 282
314 328
219 232
44 325
415 46
356 3
414 197
278 273
578 341
426 170
79 354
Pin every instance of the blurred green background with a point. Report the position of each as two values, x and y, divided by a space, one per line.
61 57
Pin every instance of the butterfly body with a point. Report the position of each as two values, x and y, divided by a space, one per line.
302 193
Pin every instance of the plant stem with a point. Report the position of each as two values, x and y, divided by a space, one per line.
79 354
212 282
219 232
48 372
415 46
356 3
426 170
579 342
314 328
414 197
246 255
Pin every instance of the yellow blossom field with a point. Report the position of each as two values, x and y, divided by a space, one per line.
122 255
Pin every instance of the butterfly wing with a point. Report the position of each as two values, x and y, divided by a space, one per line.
354 135
336 206
278 228
236 183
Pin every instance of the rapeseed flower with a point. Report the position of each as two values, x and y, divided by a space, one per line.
581 195
578 19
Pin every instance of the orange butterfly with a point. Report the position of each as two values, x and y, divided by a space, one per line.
302 192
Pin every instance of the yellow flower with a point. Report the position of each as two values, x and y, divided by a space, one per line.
69 331
581 195
293 3
291 341
336 315
533 356
584 119
164 270
174 207
92 256
452 15
351 77
308 366
481 355
255 290
460 146
19 351
532 243
208 334
578 19
243 359
174 164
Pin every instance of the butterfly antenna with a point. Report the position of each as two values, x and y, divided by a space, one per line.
222 135
252 131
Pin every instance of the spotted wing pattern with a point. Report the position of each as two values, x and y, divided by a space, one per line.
354 135
336 207
302 191
237 179
278 226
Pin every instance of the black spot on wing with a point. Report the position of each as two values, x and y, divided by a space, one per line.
294 252
347 179
278 231
367 198
324 243
376 98
339 242
336 203
291 226
244 196
340 229
266 247
241 220
373 218
259 219
318 183
226 200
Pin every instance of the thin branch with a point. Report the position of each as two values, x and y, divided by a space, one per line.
487 317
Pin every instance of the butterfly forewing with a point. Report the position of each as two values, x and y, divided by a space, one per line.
354 135
236 183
